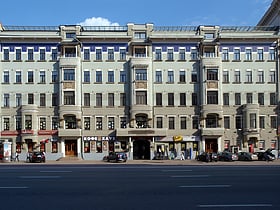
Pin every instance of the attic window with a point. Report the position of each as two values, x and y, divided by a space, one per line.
70 35
209 36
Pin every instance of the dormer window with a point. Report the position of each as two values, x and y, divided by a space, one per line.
140 35
209 35
70 35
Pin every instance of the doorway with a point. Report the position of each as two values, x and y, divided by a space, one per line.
211 145
71 147
141 150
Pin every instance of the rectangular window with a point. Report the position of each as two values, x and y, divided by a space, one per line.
170 76
225 76
170 99
194 99
122 99
194 54
272 76
42 99
260 55
271 54
54 76
6 77
253 120
6 55
69 74
237 97
158 55
262 122
249 98
248 54
99 99
236 56
248 76
273 122
141 74
171 123
237 76
170 56
111 77
43 123
42 77
28 122
158 76
182 54
159 122
182 76
86 54
18 99
30 77
123 122
225 56
111 99
54 54
122 54
226 99
18 54
111 54
30 54
6 124
140 52
69 98
98 123
212 97
158 99
98 54
260 76
226 122
195 122
261 98
87 123
122 76
194 76
86 99
140 35
42 54
273 100
238 122
141 97
182 99
18 123
6 100
55 123
54 99
87 76
111 123
212 74
183 123
30 98
98 76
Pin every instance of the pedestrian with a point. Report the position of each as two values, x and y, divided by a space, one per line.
182 156
16 157
28 157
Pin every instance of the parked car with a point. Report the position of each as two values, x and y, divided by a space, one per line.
37 157
247 156
266 155
227 156
207 157
116 157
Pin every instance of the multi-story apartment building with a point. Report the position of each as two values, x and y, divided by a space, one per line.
84 91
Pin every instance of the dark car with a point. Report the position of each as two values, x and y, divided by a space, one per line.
207 157
227 156
116 157
246 156
37 157
266 155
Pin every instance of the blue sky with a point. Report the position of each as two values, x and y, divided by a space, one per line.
121 12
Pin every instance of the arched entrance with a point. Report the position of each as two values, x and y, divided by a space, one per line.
141 150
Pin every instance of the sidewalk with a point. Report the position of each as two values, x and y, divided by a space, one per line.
151 162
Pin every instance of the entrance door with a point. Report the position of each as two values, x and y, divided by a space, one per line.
71 147
211 145
141 150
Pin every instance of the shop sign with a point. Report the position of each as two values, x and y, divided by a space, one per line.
90 138
177 138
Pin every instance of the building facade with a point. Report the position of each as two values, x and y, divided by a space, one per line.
147 90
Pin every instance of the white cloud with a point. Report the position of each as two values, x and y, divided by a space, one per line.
97 21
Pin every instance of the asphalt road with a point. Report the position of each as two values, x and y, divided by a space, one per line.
143 187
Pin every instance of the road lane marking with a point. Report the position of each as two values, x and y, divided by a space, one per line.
234 205
189 176
56 171
39 177
178 170
205 186
14 187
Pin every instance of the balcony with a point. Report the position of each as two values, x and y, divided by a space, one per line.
212 131
142 132
69 61
140 62
69 132
211 61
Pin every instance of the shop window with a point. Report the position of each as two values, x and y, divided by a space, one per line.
99 146
54 147
86 147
